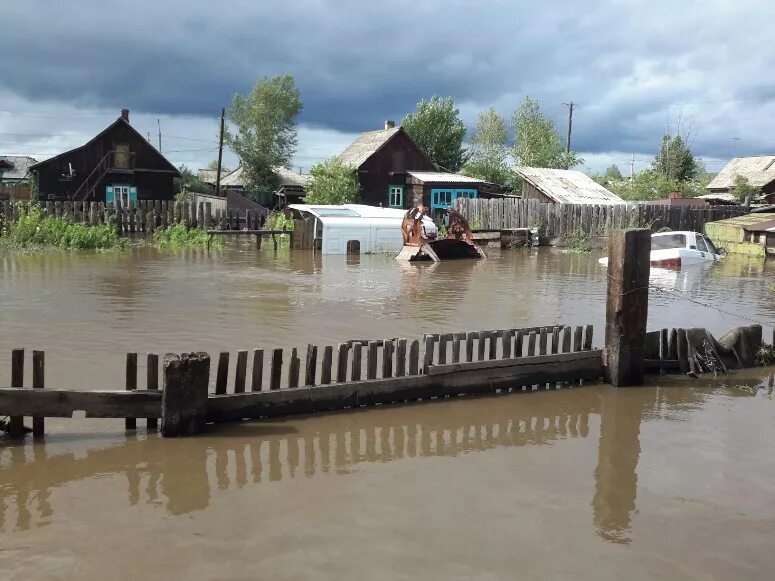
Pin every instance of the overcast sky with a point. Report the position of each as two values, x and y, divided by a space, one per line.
634 67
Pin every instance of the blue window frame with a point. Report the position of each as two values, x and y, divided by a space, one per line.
395 196
442 198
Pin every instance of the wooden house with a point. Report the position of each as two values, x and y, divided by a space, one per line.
394 172
290 185
759 171
563 186
117 165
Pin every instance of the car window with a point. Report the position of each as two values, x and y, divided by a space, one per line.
666 241
711 247
701 246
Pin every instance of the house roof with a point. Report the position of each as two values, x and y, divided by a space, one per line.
759 171
118 121
566 186
366 145
442 177
15 167
209 176
236 178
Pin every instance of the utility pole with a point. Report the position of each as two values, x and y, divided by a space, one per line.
220 156
570 107
734 144
632 167
159 124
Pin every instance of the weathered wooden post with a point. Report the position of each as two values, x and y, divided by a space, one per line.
184 400
627 305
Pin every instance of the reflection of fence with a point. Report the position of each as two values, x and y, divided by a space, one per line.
356 373
144 216
186 481
561 220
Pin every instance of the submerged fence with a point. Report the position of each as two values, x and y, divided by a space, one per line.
144 216
561 220
351 374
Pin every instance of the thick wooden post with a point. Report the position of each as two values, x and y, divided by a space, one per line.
38 382
184 400
152 382
627 305
131 385
16 423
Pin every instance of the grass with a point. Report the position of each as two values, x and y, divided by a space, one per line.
180 236
34 229
277 221
765 356
578 242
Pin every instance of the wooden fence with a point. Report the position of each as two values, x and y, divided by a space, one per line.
562 220
144 216
351 374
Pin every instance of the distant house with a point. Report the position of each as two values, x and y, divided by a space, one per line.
393 171
15 168
677 199
563 186
759 171
290 189
117 165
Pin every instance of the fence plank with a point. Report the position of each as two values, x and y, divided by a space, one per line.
588 338
371 360
577 338
294 368
341 362
414 357
277 369
241 372
131 385
401 358
356 362
311 365
428 355
222 376
152 383
387 358
257 375
328 361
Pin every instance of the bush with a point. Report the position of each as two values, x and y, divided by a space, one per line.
181 236
277 221
33 227
579 242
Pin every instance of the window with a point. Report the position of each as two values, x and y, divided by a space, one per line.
711 247
121 156
396 196
668 241
441 198
701 246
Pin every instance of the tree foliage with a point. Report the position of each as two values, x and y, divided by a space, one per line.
264 129
190 182
650 184
331 182
613 173
213 165
537 141
743 189
675 159
437 128
489 149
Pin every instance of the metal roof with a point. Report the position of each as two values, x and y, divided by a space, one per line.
366 145
566 186
759 171
720 197
746 221
20 166
349 210
437 176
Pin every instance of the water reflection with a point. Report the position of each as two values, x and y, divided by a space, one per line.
183 475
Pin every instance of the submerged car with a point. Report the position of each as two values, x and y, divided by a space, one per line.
676 249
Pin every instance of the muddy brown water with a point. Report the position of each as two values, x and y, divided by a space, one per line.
672 480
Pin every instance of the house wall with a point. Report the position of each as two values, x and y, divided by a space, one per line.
397 156
530 192
149 171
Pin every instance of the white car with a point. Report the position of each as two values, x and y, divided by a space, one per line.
676 249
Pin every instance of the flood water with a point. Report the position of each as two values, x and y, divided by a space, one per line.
673 480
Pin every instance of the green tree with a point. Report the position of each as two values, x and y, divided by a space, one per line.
537 143
612 173
675 159
489 149
264 133
645 185
331 182
213 165
190 182
437 128
743 189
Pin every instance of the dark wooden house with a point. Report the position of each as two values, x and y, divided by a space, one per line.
394 172
117 165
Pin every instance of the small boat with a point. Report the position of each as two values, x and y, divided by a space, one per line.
677 249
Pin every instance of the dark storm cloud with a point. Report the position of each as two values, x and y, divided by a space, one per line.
629 64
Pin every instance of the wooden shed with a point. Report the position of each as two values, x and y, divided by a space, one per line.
117 165
563 186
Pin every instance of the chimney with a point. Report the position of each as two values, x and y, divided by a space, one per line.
389 124
125 115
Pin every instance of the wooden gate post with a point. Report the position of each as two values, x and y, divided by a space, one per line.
627 306
184 400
